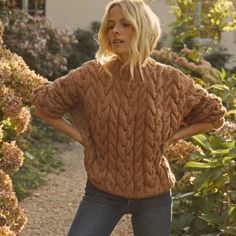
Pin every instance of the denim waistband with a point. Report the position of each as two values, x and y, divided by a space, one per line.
91 187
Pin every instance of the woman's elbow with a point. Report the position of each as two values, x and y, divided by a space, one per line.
42 115
39 113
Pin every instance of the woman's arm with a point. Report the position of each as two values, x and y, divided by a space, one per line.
63 126
190 130
193 129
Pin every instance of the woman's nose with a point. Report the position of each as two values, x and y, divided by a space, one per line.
116 29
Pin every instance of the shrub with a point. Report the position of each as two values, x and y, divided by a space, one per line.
16 85
84 48
44 47
204 195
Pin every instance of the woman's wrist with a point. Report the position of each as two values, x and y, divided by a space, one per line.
176 137
79 139
64 126
191 130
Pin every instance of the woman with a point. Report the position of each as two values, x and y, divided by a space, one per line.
127 109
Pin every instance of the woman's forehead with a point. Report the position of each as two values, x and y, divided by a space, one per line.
115 13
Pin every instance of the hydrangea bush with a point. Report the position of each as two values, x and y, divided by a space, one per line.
17 82
44 47
190 62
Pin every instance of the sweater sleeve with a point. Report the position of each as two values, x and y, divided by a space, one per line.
56 98
199 105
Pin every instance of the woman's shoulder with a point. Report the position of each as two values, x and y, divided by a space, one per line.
91 66
172 71
165 68
170 76
161 69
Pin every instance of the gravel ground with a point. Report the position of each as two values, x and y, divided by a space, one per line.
51 208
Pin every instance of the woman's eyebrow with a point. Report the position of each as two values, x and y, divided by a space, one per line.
112 21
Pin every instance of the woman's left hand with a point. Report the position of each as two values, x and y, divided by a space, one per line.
188 131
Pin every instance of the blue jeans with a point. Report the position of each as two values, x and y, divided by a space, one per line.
99 212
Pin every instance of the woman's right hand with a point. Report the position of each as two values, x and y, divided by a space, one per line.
63 126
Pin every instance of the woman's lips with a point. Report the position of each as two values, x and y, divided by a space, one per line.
117 41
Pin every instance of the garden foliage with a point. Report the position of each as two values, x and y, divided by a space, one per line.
48 50
204 165
44 47
201 22
204 196
16 85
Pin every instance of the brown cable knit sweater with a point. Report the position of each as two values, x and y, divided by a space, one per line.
125 124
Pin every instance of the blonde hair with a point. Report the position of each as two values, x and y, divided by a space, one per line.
146 33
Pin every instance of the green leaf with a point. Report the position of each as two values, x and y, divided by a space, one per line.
212 218
222 74
198 165
231 210
228 158
218 142
230 112
219 87
202 141
220 152
220 182
185 195
207 181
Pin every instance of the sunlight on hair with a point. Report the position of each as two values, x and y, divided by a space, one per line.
146 34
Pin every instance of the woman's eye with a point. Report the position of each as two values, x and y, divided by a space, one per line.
126 24
110 27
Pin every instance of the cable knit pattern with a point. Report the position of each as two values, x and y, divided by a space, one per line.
125 124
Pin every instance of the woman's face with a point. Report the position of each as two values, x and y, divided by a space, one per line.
119 32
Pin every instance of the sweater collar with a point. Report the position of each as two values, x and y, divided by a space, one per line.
117 68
